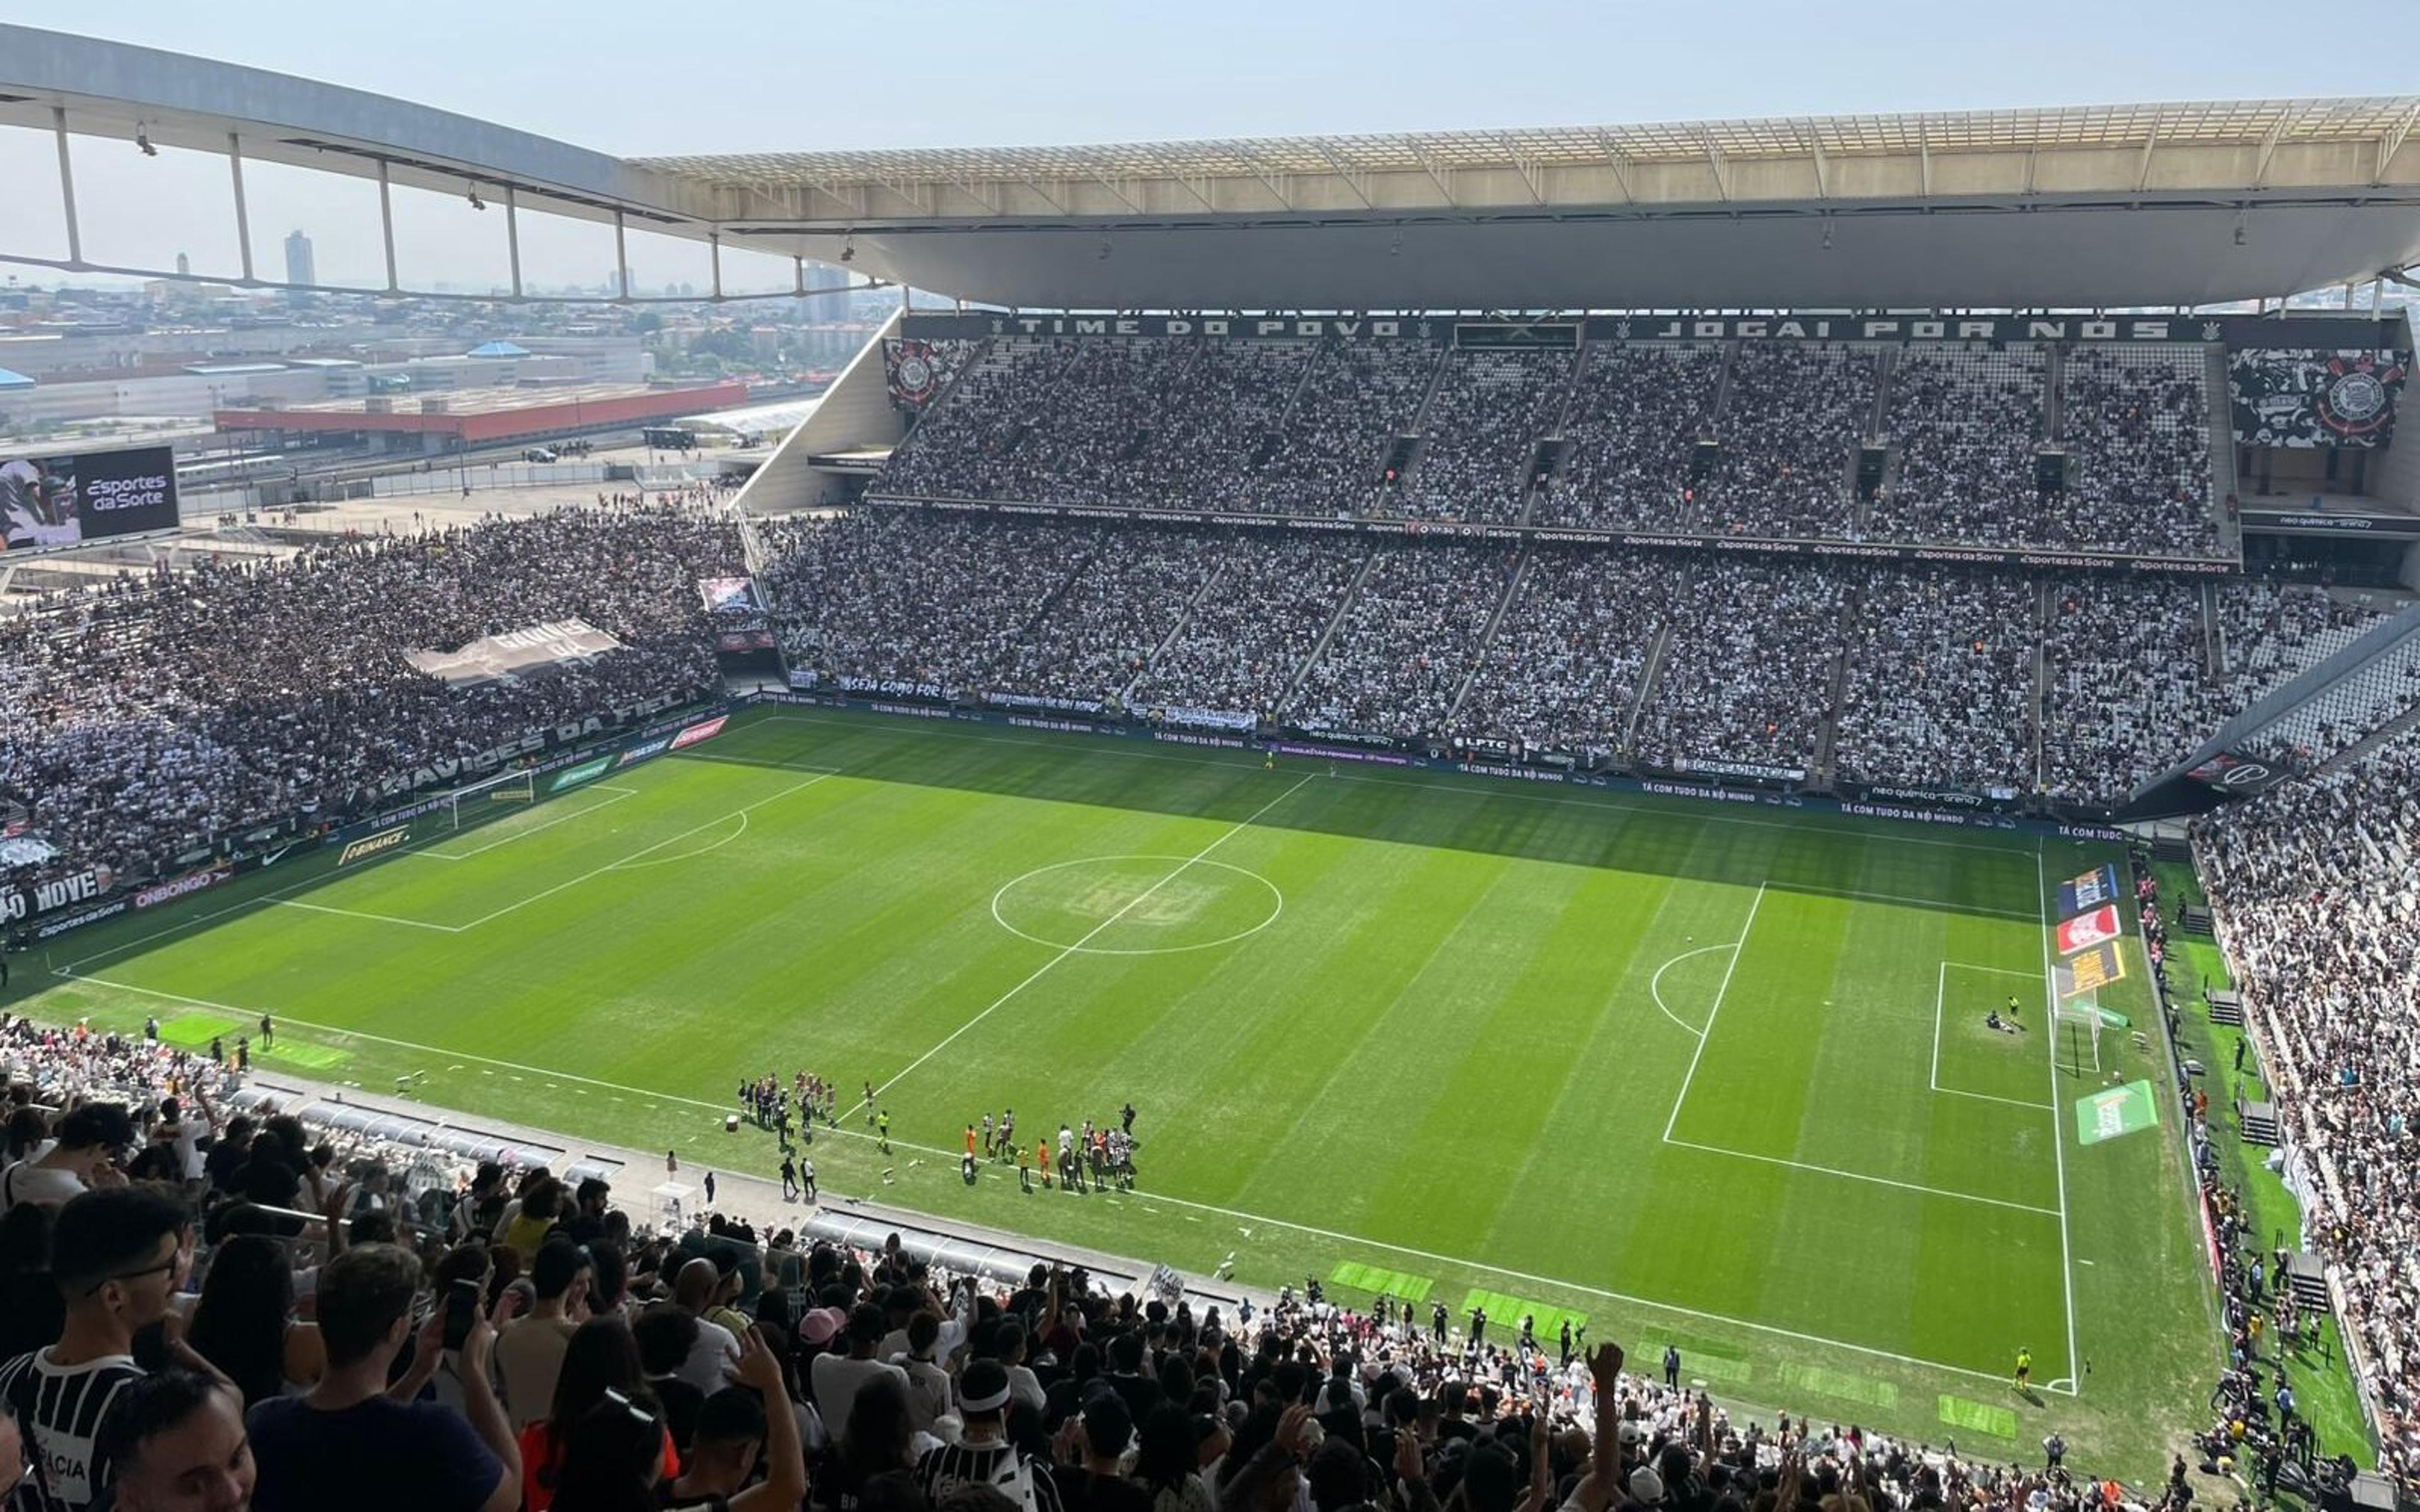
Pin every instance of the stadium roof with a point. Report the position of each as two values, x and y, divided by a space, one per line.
2177 204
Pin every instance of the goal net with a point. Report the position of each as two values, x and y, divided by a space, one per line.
475 803
2077 1022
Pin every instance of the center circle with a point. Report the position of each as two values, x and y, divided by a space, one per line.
1090 904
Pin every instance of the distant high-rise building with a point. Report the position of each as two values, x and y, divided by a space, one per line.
184 266
300 270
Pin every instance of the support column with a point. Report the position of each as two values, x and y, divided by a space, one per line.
67 187
713 245
799 277
386 224
513 238
243 211
621 256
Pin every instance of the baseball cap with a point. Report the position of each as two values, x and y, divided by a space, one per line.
1646 1486
820 1325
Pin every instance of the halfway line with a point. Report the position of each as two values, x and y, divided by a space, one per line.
1088 936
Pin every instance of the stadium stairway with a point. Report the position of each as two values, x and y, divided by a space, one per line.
1885 368
1201 590
1344 607
1819 770
2354 754
2213 634
2054 393
1487 637
2221 455
1650 669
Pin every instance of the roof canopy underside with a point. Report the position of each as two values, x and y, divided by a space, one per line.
2082 207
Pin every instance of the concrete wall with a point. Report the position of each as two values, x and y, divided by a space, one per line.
855 413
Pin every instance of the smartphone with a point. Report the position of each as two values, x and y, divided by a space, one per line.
461 1311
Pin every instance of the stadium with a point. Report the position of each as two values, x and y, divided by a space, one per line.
1341 771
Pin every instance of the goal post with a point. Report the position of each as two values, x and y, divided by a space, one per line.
477 802
2077 1023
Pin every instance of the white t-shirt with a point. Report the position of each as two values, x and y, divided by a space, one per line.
28 1182
714 1349
836 1379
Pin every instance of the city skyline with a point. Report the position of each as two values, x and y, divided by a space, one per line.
1093 71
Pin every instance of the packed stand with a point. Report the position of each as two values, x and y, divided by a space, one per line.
1111 615
2311 884
143 717
1939 686
964 447
1490 410
1154 424
1964 420
1745 679
1562 674
1405 644
2129 694
896 601
1358 399
1249 633
1791 423
2137 421
1634 426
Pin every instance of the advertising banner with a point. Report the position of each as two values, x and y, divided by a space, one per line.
184 886
2078 895
2086 930
2090 971
67 501
2118 1111
571 777
2300 399
696 732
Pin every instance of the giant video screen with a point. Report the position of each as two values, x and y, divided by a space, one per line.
68 500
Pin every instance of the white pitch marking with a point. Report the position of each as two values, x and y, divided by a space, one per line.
1707 1033
1860 1176
355 912
1655 984
1087 938
619 793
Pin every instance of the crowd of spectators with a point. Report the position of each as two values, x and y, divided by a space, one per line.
1562 674
1358 399
1939 686
1747 674
1117 608
2311 886
1963 421
1490 410
2129 691
1791 424
149 713
1636 420
1398 657
1249 632
1759 439
2136 423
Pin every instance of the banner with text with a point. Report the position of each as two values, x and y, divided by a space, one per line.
2078 895
67 501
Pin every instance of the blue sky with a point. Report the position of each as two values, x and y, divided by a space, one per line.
734 75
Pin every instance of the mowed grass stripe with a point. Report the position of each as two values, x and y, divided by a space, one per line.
1280 1076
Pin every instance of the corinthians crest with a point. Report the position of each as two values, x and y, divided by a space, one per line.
2356 397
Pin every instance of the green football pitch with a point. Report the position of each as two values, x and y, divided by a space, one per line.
1711 1075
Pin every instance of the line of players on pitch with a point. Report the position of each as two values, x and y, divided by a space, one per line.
1092 1158
1086 1159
